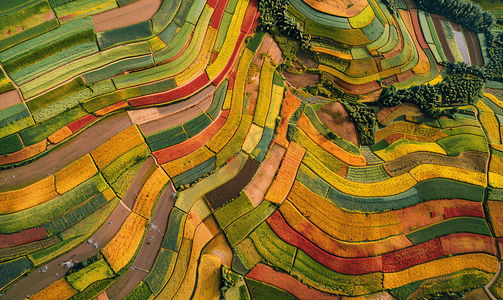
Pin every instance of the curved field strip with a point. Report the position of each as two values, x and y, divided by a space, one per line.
388 187
333 21
496 164
363 19
399 222
98 60
427 171
281 186
345 156
424 78
390 139
361 227
130 14
174 67
33 17
286 282
256 189
30 196
395 44
294 219
494 99
338 9
381 41
470 160
436 41
326 157
332 52
230 41
457 144
411 22
403 127
441 267
353 219
386 262
355 89
60 289
304 268
403 147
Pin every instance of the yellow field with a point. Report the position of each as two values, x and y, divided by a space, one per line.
230 41
116 146
74 174
427 171
149 193
60 135
252 138
389 187
201 61
30 196
178 166
401 148
315 136
60 290
440 267
121 249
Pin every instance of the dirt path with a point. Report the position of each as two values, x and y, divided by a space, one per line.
148 251
62 156
38 280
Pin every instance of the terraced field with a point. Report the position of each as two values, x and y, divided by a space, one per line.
174 150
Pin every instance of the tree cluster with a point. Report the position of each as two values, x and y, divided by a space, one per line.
273 13
424 96
466 13
365 121
362 116
495 53
325 89
463 83
460 87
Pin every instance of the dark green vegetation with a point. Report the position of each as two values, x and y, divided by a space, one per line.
460 87
273 14
471 15
495 53
465 13
362 115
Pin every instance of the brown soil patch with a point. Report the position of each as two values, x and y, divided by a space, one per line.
270 47
335 116
9 99
269 51
470 160
231 189
355 89
301 80
371 96
478 294
265 174
306 59
130 14
387 114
